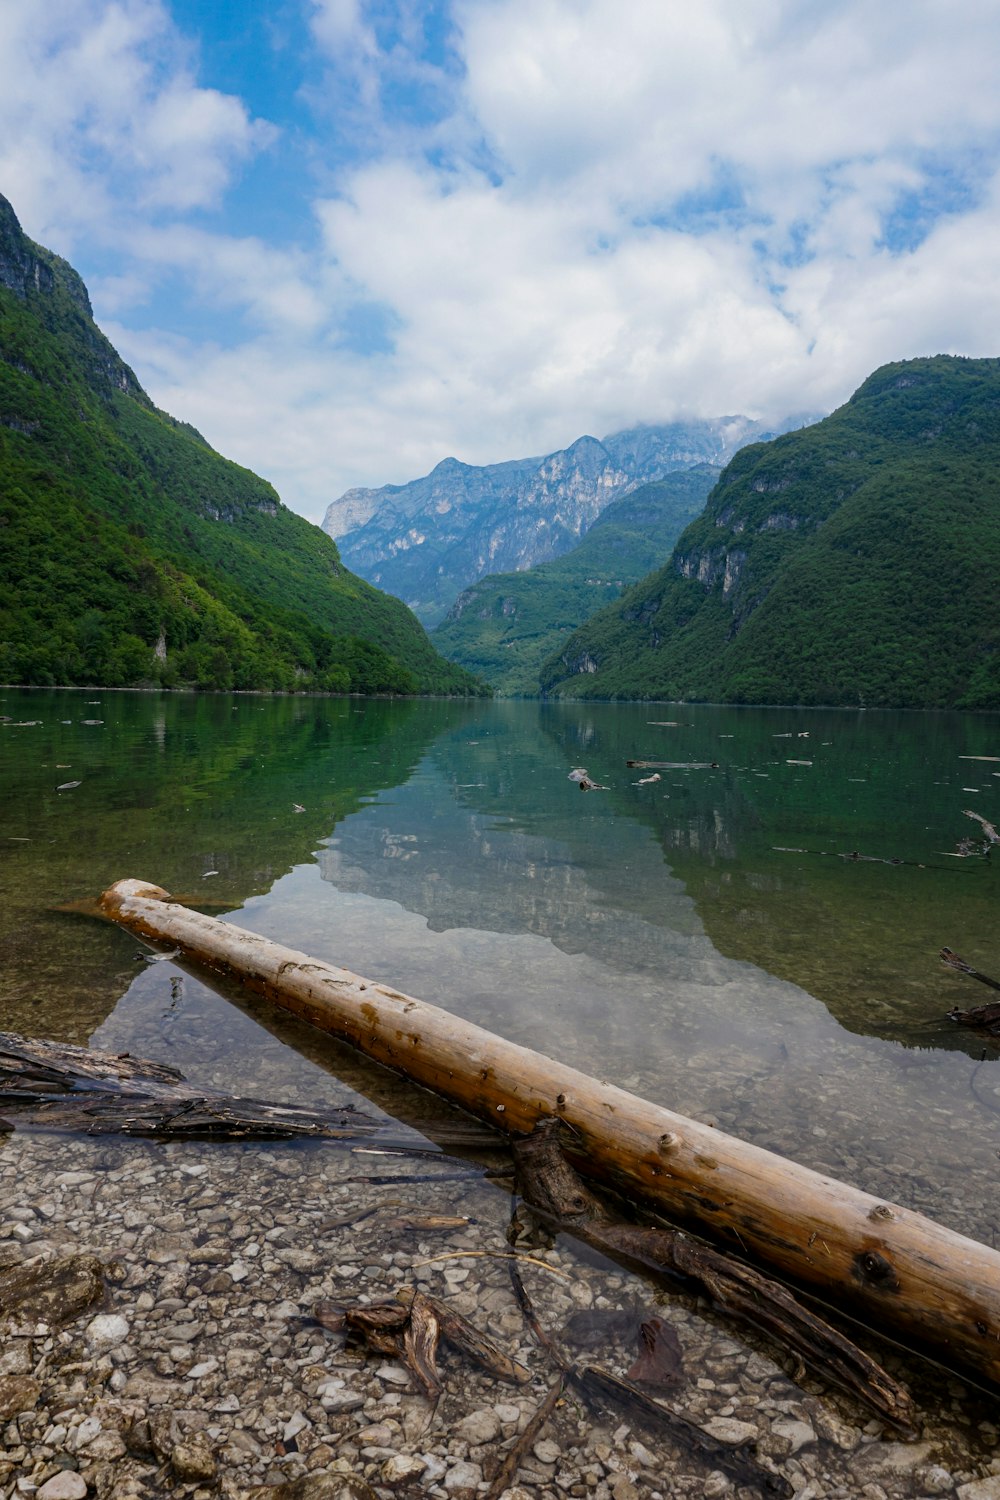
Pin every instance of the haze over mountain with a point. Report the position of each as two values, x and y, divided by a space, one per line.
852 562
505 626
427 540
133 553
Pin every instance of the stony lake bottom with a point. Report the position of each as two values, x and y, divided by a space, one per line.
747 932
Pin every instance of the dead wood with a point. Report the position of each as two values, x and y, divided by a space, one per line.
555 1191
468 1339
951 958
410 1329
522 1444
990 835
673 765
613 1392
56 1086
617 1394
886 1265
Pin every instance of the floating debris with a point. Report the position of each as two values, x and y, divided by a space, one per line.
582 777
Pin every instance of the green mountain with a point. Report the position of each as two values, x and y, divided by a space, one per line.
505 626
131 552
853 562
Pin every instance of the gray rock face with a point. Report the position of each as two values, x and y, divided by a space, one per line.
428 540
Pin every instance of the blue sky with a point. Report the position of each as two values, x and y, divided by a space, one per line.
347 239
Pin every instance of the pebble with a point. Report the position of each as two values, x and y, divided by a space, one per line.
546 1451
107 1331
67 1485
202 1361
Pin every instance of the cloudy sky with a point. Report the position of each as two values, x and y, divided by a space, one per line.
348 238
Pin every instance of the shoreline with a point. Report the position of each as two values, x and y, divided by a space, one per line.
200 1375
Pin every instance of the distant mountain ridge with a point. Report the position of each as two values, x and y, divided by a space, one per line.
132 553
427 540
854 562
505 626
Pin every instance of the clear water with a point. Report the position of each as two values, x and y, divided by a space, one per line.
703 939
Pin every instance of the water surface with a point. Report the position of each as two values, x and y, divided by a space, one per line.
753 941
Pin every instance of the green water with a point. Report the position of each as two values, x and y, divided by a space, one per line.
702 939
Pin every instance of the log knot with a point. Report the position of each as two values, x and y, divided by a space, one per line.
872 1269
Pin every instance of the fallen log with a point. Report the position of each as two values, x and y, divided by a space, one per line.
904 1275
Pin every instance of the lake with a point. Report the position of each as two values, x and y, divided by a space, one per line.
751 938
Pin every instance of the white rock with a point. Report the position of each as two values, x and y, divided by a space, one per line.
107 1331
936 1481
239 1271
797 1434
402 1469
730 1430
434 1467
297 1423
479 1427
65 1486
546 1451
198 1372
463 1476
86 1432
979 1489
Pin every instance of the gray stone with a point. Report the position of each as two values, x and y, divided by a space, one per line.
402 1469
795 1434
107 1331
67 1485
730 1430
546 1451
192 1460
479 1427
463 1476
981 1489
936 1481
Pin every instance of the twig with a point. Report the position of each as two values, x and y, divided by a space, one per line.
505 1474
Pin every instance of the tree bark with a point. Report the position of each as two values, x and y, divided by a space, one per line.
899 1271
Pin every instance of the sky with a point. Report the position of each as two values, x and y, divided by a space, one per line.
349 238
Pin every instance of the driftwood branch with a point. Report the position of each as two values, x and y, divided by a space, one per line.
616 1393
559 1195
55 1086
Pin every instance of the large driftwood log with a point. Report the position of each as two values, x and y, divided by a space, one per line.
902 1273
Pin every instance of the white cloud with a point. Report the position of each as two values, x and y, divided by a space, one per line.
570 215
100 119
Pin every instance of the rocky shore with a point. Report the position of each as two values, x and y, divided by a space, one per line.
193 1363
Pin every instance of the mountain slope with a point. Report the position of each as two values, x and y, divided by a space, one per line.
427 540
852 562
505 626
131 552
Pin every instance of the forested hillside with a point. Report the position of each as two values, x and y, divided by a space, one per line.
131 552
852 562
505 626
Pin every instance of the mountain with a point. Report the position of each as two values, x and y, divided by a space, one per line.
852 562
428 540
133 553
505 626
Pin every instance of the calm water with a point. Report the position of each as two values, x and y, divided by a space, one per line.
701 939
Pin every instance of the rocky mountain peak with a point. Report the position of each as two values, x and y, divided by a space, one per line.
429 539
